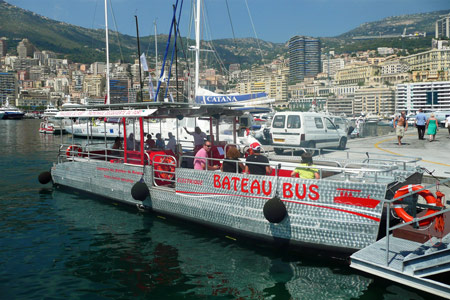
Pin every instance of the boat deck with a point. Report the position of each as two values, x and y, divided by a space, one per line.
408 263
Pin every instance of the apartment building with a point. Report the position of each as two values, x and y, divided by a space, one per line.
434 60
426 95
8 87
94 85
442 27
357 73
379 101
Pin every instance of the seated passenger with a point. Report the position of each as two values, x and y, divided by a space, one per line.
172 143
159 141
117 146
306 173
149 143
200 162
232 167
257 169
132 144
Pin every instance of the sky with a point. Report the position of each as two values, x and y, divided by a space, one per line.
273 20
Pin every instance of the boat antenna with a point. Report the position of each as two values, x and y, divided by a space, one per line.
108 100
139 55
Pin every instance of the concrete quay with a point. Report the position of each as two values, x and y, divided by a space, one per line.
435 155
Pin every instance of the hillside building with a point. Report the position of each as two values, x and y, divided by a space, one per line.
357 73
3 47
434 60
442 27
25 49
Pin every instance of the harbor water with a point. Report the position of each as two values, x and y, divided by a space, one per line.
63 244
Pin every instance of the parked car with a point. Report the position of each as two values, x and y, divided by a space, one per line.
306 129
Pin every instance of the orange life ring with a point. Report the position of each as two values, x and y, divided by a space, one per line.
72 150
426 194
166 168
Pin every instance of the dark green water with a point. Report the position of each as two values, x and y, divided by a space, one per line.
60 244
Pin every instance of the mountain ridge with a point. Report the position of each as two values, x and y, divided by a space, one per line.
85 45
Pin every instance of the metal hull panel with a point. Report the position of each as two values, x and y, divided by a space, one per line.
313 215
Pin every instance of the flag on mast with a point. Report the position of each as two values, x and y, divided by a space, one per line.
144 62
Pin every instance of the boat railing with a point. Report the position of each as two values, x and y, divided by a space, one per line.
415 221
163 169
348 155
284 169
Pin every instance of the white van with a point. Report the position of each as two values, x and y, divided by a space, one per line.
305 129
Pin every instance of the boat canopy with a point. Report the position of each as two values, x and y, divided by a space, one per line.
153 110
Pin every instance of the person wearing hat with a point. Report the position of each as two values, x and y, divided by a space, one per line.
305 171
262 168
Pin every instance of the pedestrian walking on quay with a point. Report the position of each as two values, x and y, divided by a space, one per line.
447 125
432 127
421 120
400 126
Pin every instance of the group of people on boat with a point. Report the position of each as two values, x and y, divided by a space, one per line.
149 143
256 163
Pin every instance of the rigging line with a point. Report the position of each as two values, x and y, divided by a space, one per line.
232 29
183 49
92 27
210 43
117 30
254 31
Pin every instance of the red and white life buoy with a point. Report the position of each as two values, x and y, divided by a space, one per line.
73 150
426 194
166 168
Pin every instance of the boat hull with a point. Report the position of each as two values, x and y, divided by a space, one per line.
13 116
235 202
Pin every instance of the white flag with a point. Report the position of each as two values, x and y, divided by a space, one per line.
144 62
151 89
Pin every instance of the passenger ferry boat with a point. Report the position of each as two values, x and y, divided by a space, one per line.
341 211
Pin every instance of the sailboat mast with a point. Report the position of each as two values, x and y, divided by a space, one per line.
197 46
156 48
139 59
108 99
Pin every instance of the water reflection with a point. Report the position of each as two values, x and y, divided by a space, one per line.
147 255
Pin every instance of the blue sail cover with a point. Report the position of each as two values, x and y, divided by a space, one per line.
221 99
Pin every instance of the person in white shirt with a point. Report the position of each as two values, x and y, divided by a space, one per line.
199 138
172 143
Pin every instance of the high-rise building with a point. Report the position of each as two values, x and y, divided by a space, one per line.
304 58
25 49
443 27
3 47
8 87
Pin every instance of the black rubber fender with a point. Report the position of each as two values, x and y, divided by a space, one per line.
45 177
274 210
140 191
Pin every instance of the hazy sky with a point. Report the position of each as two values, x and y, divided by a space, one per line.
274 20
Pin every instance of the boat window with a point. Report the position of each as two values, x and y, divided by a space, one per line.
293 122
329 124
319 123
278 121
